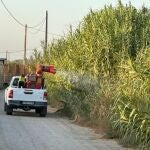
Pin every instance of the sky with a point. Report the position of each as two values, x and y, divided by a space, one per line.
62 14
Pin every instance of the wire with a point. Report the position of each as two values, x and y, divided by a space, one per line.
31 27
38 30
41 23
2 52
17 51
10 13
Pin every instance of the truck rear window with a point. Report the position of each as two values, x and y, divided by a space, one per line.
15 82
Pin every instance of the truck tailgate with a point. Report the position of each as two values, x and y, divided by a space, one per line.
28 94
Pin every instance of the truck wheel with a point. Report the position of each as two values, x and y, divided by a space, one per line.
9 110
5 105
43 112
37 110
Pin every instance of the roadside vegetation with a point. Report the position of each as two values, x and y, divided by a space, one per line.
103 71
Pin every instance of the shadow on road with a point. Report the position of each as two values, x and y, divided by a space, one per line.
52 113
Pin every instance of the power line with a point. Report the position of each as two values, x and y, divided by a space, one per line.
20 23
11 14
16 51
39 24
2 52
31 27
38 30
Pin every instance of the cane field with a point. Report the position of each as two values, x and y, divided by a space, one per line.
103 71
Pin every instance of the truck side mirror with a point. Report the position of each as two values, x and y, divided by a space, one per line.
5 85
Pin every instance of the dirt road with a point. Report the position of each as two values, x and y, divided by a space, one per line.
27 131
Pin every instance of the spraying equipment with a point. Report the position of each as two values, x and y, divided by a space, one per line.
36 81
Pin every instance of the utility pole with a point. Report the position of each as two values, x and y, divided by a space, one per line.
25 44
25 48
46 30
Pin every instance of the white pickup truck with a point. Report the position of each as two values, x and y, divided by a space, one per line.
24 98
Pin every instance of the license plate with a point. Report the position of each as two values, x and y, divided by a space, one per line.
27 103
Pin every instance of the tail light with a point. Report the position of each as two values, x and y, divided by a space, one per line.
10 94
45 96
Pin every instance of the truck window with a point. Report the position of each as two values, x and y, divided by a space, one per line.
15 82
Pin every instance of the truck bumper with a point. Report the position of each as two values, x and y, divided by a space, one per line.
29 104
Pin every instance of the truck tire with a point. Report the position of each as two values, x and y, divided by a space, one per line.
38 110
9 110
43 112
